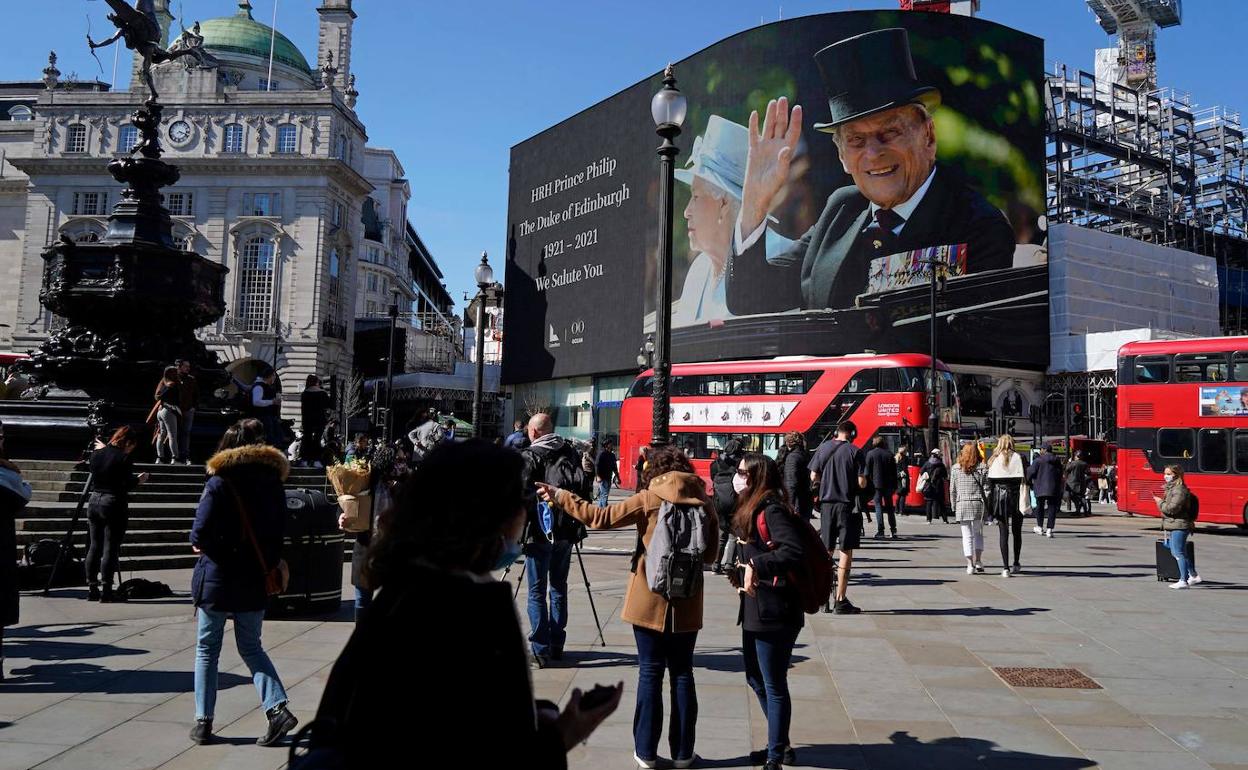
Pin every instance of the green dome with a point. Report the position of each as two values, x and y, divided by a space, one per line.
242 34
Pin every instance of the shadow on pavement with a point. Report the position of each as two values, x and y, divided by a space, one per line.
905 751
86 677
53 650
970 612
1045 572
872 579
53 630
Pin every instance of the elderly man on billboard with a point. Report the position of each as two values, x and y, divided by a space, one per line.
901 199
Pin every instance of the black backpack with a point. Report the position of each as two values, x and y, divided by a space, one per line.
563 469
725 496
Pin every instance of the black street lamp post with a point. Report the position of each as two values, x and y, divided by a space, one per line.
668 110
388 427
933 418
484 276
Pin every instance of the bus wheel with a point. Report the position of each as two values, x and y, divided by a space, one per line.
1244 524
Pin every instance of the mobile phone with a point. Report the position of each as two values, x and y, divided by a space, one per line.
596 697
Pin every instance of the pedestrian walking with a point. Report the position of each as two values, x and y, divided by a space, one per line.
794 462
314 406
548 546
14 495
639 466
382 478
168 415
771 613
665 630
238 535
266 405
108 515
967 492
902 459
1077 483
442 626
1111 475
881 469
1044 476
838 471
1005 482
934 490
1179 509
517 439
606 470
724 499
188 393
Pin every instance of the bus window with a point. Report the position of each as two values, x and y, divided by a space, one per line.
1152 370
1239 371
1214 452
865 381
1241 451
1176 442
1200 367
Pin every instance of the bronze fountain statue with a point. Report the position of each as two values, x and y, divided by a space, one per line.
142 34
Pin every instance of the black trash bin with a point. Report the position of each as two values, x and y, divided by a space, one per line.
313 549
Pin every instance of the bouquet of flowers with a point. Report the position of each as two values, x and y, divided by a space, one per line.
351 481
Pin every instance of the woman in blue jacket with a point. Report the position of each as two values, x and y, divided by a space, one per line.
771 609
242 511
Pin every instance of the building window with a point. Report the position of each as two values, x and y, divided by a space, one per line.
344 149
336 215
180 204
268 85
287 138
255 284
335 287
374 255
90 203
262 204
21 112
127 138
370 308
87 236
76 138
233 138
372 281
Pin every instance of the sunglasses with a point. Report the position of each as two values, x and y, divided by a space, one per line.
742 472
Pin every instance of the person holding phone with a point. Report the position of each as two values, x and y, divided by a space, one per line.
665 630
771 609
1179 510
442 629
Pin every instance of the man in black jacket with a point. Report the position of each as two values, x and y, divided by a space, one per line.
725 498
901 199
549 555
1045 478
1077 484
882 473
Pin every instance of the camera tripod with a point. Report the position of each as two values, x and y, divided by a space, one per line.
584 576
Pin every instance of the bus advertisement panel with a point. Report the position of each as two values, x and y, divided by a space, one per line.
884 143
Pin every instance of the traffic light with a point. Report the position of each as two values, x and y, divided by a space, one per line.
1009 426
1078 420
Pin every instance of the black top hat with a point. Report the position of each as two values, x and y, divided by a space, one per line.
870 73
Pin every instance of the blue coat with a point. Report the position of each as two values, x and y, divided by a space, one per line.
1045 475
228 577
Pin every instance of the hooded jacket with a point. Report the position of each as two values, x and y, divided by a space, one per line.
1176 508
537 456
228 577
643 607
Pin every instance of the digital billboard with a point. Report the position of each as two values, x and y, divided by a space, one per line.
827 164
1224 401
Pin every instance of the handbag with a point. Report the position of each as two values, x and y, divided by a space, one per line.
1024 499
276 579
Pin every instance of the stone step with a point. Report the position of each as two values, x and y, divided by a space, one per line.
56 524
179 536
189 497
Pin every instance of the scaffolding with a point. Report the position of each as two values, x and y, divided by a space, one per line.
438 342
1149 166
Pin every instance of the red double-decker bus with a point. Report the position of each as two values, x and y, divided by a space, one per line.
760 401
1185 403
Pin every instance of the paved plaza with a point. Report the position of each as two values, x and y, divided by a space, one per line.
907 684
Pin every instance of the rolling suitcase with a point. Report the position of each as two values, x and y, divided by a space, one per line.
1167 567
312 547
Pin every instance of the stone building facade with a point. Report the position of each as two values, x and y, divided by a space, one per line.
274 185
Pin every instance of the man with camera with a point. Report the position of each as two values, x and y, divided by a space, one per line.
550 536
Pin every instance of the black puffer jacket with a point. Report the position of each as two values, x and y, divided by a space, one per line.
776 605
796 471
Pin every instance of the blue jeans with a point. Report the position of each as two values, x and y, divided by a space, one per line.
884 504
1178 547
184 434
658 651
547 563
1049 504
604 487
208 650
363 598
767 657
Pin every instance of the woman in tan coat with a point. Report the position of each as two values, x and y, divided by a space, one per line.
666 631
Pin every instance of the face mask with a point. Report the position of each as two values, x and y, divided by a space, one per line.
1168 477
740 484
511 551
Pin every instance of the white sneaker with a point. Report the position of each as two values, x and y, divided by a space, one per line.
979 568
970 569
1179 584
1005 573
1037 530
1048 533
646 763
1194 579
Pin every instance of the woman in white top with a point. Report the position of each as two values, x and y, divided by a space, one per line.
1005 479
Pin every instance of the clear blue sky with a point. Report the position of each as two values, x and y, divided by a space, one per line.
451 86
